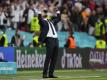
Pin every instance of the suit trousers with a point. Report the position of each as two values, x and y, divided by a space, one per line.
51 55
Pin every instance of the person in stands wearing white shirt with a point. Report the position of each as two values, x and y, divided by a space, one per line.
31 13
2 18
15 19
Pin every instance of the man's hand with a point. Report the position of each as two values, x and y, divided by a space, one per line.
58 12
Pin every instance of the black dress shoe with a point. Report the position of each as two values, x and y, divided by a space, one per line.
45 76
52 76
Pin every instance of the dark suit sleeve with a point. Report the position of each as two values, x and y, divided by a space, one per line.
57 19
40 19
44 29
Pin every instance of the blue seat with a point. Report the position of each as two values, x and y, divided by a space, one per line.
62 37
28 36
84 40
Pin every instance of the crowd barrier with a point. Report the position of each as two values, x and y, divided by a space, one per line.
33 58
82 39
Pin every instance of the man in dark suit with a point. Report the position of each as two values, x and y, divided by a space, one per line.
49 36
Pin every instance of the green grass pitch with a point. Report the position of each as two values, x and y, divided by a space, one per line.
62 75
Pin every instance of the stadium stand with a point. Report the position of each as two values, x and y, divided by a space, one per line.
17 14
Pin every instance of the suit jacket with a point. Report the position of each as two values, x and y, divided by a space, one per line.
45 28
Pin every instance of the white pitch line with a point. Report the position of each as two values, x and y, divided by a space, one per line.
61 71
55 71
79 76
40 79
69 77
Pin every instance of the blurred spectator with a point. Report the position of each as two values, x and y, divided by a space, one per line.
3 16
17 40
89 4
76 16
3 39
99 2
71 43
64 24
15 19
100 29
92 5
105 9
21 21
25 18
31 14
101 44
35 40
105 18
35 27
85 3
9 16
105 23
91 22
85 15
